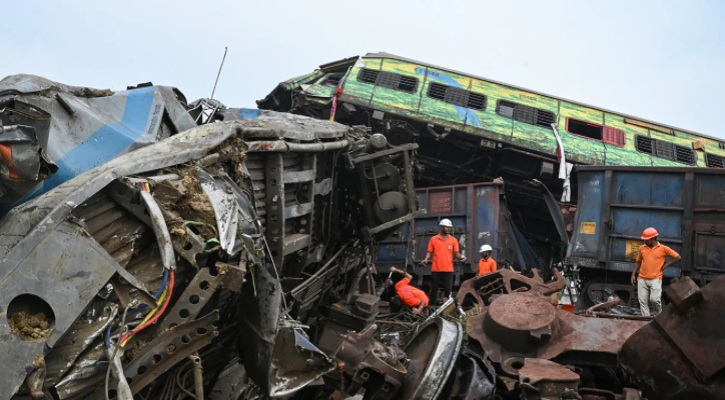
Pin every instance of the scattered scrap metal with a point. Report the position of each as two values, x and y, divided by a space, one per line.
230 254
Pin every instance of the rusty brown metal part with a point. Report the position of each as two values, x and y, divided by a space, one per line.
681 354
521 325
504 281
370 364
683 293
544 379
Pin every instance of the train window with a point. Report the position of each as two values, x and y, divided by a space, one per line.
606 134
367 75
388 80
331 80
505 108
613 136
684 155
644 144
457 96
525 114
666 150
583 128
713 161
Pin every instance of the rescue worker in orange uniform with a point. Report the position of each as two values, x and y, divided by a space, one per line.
647 273
409 295
486 264
442 248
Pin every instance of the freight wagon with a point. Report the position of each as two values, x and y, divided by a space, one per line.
615 204
480 215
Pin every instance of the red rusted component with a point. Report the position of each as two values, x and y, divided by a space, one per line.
543 379
520 325
683 293
546 380
483 288
681 354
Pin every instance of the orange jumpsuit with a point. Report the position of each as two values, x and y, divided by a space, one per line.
410 295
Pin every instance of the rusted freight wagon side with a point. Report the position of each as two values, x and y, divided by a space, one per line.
479 214
686 206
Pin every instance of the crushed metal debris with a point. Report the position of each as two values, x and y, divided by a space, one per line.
159 249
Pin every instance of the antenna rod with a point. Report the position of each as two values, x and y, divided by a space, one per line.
219 73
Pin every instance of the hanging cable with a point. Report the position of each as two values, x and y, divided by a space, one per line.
108 343
150 320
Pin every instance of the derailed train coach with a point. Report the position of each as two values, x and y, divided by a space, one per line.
217 244
473 129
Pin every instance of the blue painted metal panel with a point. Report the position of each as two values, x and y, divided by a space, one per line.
585 243
615 204
479 216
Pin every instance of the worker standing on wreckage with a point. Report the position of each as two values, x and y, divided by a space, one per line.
650 264
442 248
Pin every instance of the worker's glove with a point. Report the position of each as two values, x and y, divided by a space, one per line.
463 258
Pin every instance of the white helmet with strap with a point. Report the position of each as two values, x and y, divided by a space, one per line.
446 222
485 247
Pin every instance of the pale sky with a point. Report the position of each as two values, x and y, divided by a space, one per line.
658 60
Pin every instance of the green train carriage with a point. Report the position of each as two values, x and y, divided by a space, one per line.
471 129
408 99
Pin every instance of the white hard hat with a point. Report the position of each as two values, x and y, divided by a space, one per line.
485 247
446 222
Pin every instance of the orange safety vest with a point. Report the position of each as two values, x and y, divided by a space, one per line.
442 250
486 266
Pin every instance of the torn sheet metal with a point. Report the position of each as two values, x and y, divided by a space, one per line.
224 202
47 261
23 160
85 128
98 235
296 362
473 378
56 270
68 350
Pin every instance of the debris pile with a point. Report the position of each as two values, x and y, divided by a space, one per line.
162 250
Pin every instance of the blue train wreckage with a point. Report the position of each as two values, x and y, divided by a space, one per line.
155 248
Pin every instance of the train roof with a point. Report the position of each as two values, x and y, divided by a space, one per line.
658 124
